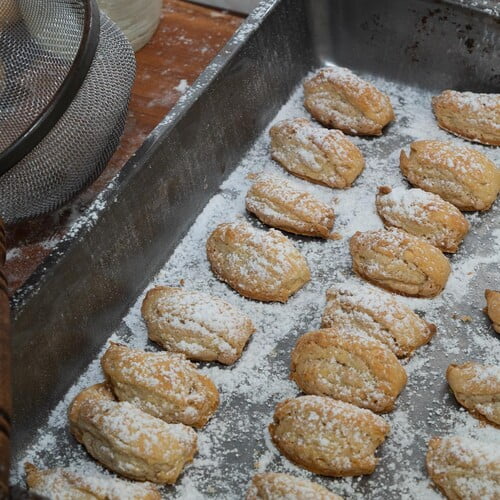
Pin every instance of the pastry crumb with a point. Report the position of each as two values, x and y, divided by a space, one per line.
335 236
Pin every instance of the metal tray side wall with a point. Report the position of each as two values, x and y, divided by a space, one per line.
165 186
162 190
430 44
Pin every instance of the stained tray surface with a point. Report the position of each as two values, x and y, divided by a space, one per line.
235 443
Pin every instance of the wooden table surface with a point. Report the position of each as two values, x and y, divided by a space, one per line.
187 39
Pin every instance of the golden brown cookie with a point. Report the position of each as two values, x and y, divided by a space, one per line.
379 315
275 486
64 484
130 442
198 325
460 175
348 365
95 392
260 265
493 308
422 214
477 387
464 468
316 154
328 437
469 115
399 262
284 205
163 384
337 98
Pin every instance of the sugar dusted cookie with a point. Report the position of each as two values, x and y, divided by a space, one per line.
400 262
96 392
65 484
348 365
493 308
463 176
128 441
284 205
328 437
198 325
259 265
464 468
469 115
165 385
337 98
422 214
275 486
477 387
316 154
378 314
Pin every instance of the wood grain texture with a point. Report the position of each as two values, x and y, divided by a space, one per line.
187 39
5 391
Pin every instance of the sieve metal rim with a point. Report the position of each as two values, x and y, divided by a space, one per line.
64 95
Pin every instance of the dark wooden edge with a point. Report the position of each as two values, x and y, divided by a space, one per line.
5 383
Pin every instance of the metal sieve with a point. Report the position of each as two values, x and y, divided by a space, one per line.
66 73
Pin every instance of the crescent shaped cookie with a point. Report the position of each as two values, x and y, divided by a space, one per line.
316 154
469 115
464 468
128 441
477 388
461 175
284 205
257 264
399 262
422 214
379 315
163 384
275 486
349 366
198 325
337 98
328 437
493 308
65 484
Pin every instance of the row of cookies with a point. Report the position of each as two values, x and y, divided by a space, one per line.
315 341
138 424
465 177
267 202
462 176
339 99
349 371
463 467
453 178
175 337
392 327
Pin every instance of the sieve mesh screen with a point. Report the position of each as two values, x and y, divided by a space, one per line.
38 44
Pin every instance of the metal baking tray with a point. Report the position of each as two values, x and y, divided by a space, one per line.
72 305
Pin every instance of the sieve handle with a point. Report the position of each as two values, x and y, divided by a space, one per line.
5 390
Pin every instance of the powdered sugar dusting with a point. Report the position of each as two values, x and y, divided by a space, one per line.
235 443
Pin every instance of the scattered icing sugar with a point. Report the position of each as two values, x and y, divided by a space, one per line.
277 198
486 107
212 324
182 86
412 203
235 443
105 486
345 77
